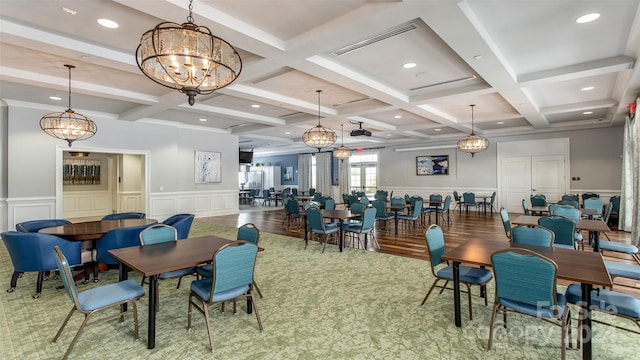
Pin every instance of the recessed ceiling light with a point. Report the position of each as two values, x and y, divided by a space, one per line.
587 88
437 129
255 106
478 57
398 117
409 65
57 98
287 133
587 113
108 23
587 18
500 123
203 119
69 11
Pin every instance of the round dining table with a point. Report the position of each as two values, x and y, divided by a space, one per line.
93 230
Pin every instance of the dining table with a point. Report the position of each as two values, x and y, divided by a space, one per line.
396 208
593 226
586 268
340 215
152 260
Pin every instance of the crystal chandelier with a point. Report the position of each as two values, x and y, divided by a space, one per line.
319 137
473 143
342 152
68 125
188 58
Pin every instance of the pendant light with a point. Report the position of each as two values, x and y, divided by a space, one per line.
188 58
473 143
342 152
68 125
319 137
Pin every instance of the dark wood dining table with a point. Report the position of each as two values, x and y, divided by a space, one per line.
593 226
152 260
340 215
584 267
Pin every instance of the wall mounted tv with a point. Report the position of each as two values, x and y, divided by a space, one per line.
246 157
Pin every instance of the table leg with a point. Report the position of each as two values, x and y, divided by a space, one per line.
456 293
306 239
123 274
596 241
585 331
340 222
395 219
153 291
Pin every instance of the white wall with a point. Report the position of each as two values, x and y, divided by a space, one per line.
31 164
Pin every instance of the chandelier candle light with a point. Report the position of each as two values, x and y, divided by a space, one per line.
319 137
473 143
342 152
188 58
68 125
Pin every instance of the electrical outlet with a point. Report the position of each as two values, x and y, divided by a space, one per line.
575 178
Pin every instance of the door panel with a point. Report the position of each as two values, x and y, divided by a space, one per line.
548 176
516 182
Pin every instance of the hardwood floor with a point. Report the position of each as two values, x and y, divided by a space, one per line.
462 228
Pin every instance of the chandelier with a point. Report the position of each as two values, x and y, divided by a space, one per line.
188 58
342 152
68 125
473 143
319 137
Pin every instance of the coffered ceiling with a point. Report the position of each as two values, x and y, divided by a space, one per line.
524 64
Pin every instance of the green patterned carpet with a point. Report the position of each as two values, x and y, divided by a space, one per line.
350 305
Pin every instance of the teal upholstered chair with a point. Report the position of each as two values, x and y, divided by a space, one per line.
574 203
525 207
570 197
526 284
595 204
469 200
574 215
365 227
444 210
381 212
532 235
442 271
414 217
125 215
563 228
538 200
459 201
397 201
93 300
330 204
232 278
33 226
318 227
33 252
505 221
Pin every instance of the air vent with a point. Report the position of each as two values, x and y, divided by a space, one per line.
375 39
443 83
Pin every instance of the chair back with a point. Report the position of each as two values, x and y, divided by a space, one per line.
358 208
158 233
436 199
456 196
249 232
493 198
435 245
182 223
314 219
312 191
469 198
116 239
567 211
381 195
589 195
562 227
369 219
615 201
124 215
233 266
525 207
417 209
532 235
447 203
570 197
293 207
525 276
31 252
309 206
265 194
505 221
594 203
317 196
33 226
294 191
572 203
351 199
538 200
67 277
364 200
607 212
381 209
330 204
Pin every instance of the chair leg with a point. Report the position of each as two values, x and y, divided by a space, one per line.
14 281
206 319
257 289
469 301
429 292
491 324
39 285
75 338
255 310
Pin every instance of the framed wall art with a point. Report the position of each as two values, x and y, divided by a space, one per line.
207 167
432 165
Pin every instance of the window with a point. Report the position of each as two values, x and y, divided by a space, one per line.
364 173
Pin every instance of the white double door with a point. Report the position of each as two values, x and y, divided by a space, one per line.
524 176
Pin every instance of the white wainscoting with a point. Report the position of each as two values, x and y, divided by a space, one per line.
80 204
200 203
130 201
24 209
3 214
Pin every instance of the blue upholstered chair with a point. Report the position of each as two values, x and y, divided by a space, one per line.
491 204
381 212
607 301
124 215
444 210
365 227
505 221
116 239
318 227
414 217
468 200
570 213
162 233
526 284
182 223
468 275
397 201
91 301
563 228
589 195
234 265
538 200
292 211
330 204
595 204
33 226
33 252
532 235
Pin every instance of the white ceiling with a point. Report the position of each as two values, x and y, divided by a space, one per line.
522 63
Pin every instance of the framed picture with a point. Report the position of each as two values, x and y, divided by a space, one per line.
432 165
207 167
288 173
